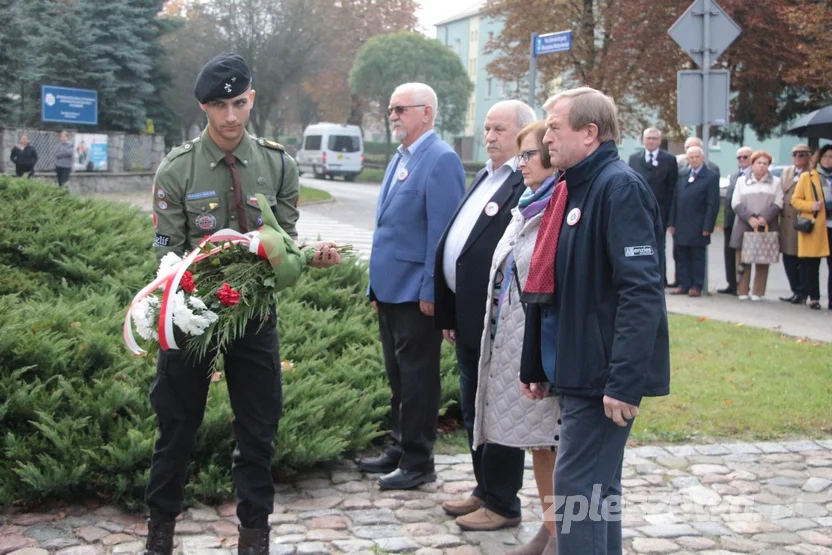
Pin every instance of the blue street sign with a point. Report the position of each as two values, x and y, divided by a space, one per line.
67 105
553 42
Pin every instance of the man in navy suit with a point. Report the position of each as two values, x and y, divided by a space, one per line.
463 262
422 187
660 170
692 219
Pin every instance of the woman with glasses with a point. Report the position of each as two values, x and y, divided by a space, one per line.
813 198
503 413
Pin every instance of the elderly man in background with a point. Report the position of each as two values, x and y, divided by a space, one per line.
801 162
596 319
692 219
463 261
659 169
422 187
743 163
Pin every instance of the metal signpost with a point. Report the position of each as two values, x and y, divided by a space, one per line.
545 44
68 105
704 31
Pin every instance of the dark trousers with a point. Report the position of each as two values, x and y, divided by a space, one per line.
20 171
178 395
730 259
690 267
62 174
796 276
498 469
588 479
411 356
663 256
810 269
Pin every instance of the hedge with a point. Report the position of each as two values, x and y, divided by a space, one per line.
75 418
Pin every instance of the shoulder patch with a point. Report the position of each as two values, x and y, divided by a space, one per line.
271 144
180 150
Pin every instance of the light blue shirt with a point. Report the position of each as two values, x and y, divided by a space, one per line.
405 154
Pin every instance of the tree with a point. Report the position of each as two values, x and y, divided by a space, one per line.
387 61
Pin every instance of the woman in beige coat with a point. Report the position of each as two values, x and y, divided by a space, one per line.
811 247
503 414
802 159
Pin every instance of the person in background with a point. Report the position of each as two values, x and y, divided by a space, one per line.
801 158
692 219
757 201
813 198
24 156
63 159
743 163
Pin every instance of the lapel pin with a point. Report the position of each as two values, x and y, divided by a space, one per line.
574 216
491 208
402 174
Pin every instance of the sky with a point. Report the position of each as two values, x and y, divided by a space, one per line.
433 11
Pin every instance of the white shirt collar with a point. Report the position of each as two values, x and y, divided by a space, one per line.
647 154
511 164
412 148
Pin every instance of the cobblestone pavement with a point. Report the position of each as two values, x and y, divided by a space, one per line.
714 499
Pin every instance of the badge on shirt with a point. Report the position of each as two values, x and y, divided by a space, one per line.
202 194
643 250
491 209
252 199
655 162
162 205
691 178
261 180
161 193
574 216
259 220
206 222
402 174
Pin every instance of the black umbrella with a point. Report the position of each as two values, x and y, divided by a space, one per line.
817 124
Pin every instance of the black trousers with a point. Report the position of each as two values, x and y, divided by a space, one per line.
178 395
411 345
690 267
588 477
730 259
498 469
663 255
20 171
796 276
62 174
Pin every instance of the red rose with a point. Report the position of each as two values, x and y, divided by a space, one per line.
187 282
228 296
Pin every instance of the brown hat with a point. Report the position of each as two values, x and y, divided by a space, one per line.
801 148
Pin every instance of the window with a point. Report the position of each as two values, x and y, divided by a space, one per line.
344 143
313 142
488 87
490 36
457 46
714 144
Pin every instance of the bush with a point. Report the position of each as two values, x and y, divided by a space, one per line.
75 418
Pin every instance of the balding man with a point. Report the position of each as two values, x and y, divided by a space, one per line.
743 163
422 187
692 219
463 261
658 168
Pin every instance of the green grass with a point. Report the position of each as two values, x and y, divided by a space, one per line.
311 194
454 442
371 175
729 380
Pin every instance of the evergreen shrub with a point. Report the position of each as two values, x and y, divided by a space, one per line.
75 419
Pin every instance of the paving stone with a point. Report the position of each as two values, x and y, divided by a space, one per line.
129 547
352 487
202 514
418 529
311 548
201 542
678 463
45 532
399 544
112 527
441 540
809 549
816 538
79 550
668 530
701 495
654 519
391 504
326 535
342 477
705 469
30 551
825 443
229 509
281 549
115 539
712 449
501 536
797 524
453 476
224 528
784 481
770 447
188 527
428 551
30 519
744 487
801 446
289 529
681 450
683 482
377 532
334 522
816 485
826 522
753 527
314 504
463 550
696 543
373 517
420 504
353 546
357 504
459 487
774 512
647 452
90 533
282 518
654 545
780 538
59 543
291 538
808 510
745 545
410 516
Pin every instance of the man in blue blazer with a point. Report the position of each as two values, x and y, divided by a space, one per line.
422 187
691 221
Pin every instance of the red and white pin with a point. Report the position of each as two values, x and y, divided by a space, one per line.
491 209
402 174
574 216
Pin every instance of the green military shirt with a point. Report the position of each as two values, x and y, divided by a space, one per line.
193 194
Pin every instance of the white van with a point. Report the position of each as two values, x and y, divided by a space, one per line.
330 149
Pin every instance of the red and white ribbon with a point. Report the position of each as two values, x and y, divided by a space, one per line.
170 282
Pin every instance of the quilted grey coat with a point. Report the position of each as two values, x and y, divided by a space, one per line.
503 414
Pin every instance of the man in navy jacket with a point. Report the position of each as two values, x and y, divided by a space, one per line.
597 329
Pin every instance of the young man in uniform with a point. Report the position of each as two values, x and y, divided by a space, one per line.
205 185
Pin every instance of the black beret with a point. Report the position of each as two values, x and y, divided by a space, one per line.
226 76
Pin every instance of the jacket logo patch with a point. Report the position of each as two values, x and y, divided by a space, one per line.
644 250
202 194
161 241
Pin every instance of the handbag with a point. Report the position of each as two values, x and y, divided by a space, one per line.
803 224
760 247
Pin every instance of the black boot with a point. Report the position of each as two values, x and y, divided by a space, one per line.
159 537
253 541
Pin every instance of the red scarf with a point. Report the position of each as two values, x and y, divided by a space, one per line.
540 286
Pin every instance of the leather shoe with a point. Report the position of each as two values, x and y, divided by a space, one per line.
788 299
673 285
383 464
460 507
679 291
694 293
728 291
483 520
405 479
798 300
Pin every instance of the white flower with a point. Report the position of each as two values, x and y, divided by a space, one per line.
144 316
186 320
167 262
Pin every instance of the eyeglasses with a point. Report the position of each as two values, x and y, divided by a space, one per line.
526 155
800 154
743 157
402 109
